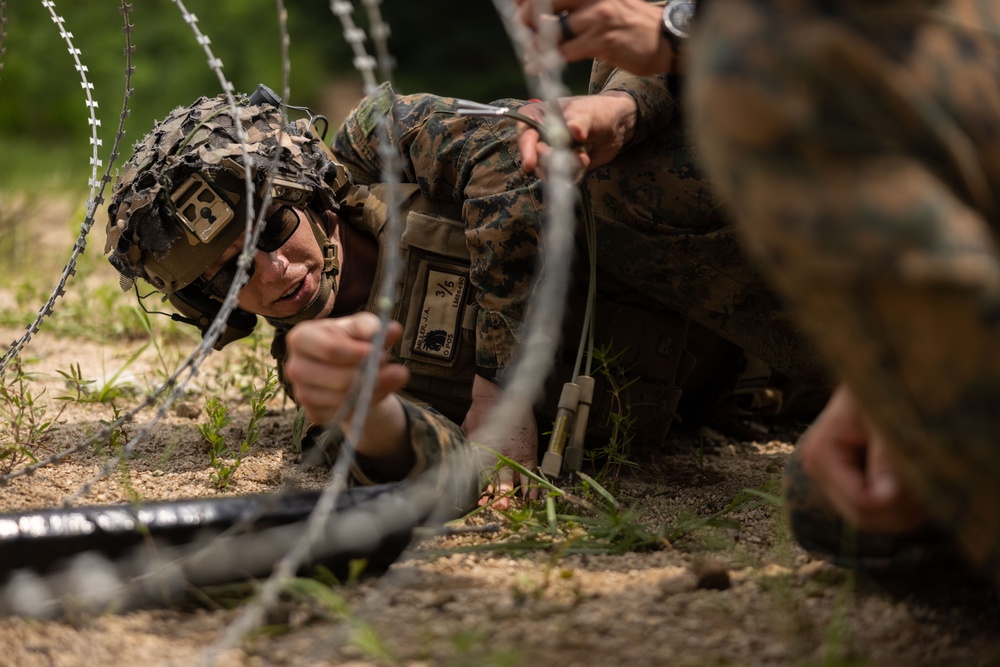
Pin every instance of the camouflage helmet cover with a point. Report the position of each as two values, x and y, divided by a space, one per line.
195 156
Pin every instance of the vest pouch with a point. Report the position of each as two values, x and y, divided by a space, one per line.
434 297
437 307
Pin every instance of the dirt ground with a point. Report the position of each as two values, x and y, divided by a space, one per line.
739 594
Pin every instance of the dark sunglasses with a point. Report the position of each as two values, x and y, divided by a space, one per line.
278 228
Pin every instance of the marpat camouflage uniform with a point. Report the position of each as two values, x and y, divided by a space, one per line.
472 161
663 232
859 142
662 243
660 230
202 134
433 438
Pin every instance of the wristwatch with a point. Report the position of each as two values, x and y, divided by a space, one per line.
677 17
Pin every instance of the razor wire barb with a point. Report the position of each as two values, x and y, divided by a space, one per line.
285 45
95 195
355 37
252 229
359 400
78 248
537 349
3 32
539 340
173 386
380 38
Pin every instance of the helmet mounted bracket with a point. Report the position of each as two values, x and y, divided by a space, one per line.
200 209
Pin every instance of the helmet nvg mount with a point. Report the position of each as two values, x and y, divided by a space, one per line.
180 201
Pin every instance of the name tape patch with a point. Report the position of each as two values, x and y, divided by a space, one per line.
440 314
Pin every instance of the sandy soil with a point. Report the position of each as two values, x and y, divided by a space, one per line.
739 594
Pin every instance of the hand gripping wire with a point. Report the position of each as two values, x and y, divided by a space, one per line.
566 443
470 108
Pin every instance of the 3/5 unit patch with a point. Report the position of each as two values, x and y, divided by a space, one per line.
440 314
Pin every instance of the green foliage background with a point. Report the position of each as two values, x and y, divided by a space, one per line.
449 47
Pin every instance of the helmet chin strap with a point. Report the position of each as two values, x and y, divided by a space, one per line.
327 282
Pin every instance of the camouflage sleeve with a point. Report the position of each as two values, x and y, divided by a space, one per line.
433 438
860 153
473 161
655 96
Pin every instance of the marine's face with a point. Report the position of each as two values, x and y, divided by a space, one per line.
285 280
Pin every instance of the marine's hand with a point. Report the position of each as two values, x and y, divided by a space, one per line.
519 442
601 124
625 33
851 464
326 356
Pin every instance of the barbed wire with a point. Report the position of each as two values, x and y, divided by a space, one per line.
69 269
286 62
538 349
175 384
174 387
95 195
355 38
254 614
534 356
3 32
380 32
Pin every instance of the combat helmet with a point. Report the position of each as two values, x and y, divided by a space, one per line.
180 201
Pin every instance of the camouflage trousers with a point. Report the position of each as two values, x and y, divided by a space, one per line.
663 233
859 145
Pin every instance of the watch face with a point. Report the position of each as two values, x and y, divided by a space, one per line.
677 16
